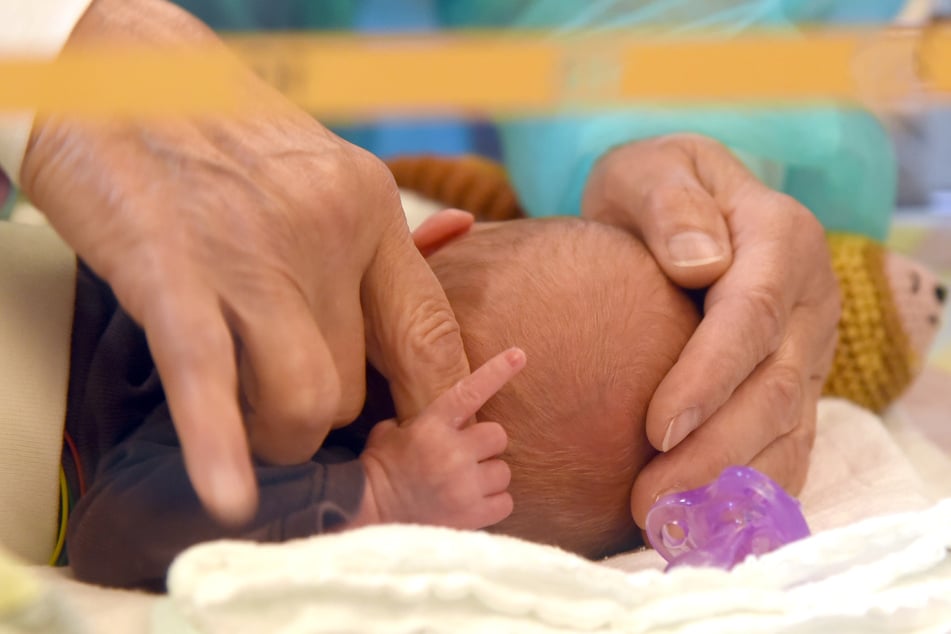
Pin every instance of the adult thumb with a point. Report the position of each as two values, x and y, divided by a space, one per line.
687 233
413 338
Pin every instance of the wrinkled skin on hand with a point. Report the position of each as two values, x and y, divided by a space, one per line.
437 468
260 253
745 388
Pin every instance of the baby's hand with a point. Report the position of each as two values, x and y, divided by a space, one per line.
438 468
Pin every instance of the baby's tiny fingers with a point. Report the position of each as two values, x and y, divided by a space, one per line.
494 509
486 440
467 396
494 476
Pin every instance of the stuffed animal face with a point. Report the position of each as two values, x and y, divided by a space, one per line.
919 298
891 312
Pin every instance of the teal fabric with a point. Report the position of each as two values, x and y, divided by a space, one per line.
7 203
837 161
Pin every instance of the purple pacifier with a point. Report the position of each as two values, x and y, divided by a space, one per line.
740 513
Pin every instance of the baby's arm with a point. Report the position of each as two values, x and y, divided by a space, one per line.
141 510
436 469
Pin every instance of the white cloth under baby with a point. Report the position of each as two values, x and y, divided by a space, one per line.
887 574
863 570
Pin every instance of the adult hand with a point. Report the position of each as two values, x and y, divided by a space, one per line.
260 253
436 468
745 388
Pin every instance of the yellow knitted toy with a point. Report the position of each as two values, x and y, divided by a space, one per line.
891 306
891 311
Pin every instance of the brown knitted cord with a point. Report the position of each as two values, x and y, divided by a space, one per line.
471 183
873 362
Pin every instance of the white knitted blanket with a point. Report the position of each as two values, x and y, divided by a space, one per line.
862 571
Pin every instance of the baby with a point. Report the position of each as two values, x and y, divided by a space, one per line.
600 325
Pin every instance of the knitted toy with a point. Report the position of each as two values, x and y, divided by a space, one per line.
891 306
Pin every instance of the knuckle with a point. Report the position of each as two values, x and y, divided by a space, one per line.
334 218
457 496
434 337
311 390
667 198
464 395
765 303
714 461
697 139
351 399
350 182
798 447
455 461
807 227
305 410
349 409
784 393
375 177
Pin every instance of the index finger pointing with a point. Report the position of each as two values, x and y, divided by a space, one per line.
193 351
467 397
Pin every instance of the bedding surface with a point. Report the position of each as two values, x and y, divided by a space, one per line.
859 472
861 469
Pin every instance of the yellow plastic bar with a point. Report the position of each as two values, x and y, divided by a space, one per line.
489 72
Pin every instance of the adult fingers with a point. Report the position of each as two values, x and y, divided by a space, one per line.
770 405
684 229
459 404
733 436
652 188
412 334
288 377
746 317
786 459
193 352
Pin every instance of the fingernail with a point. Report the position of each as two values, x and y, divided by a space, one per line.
668 491
233 496
515 357
693 248
680 427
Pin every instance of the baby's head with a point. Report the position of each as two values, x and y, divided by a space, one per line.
601 326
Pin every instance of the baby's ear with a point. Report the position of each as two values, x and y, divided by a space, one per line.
441 228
